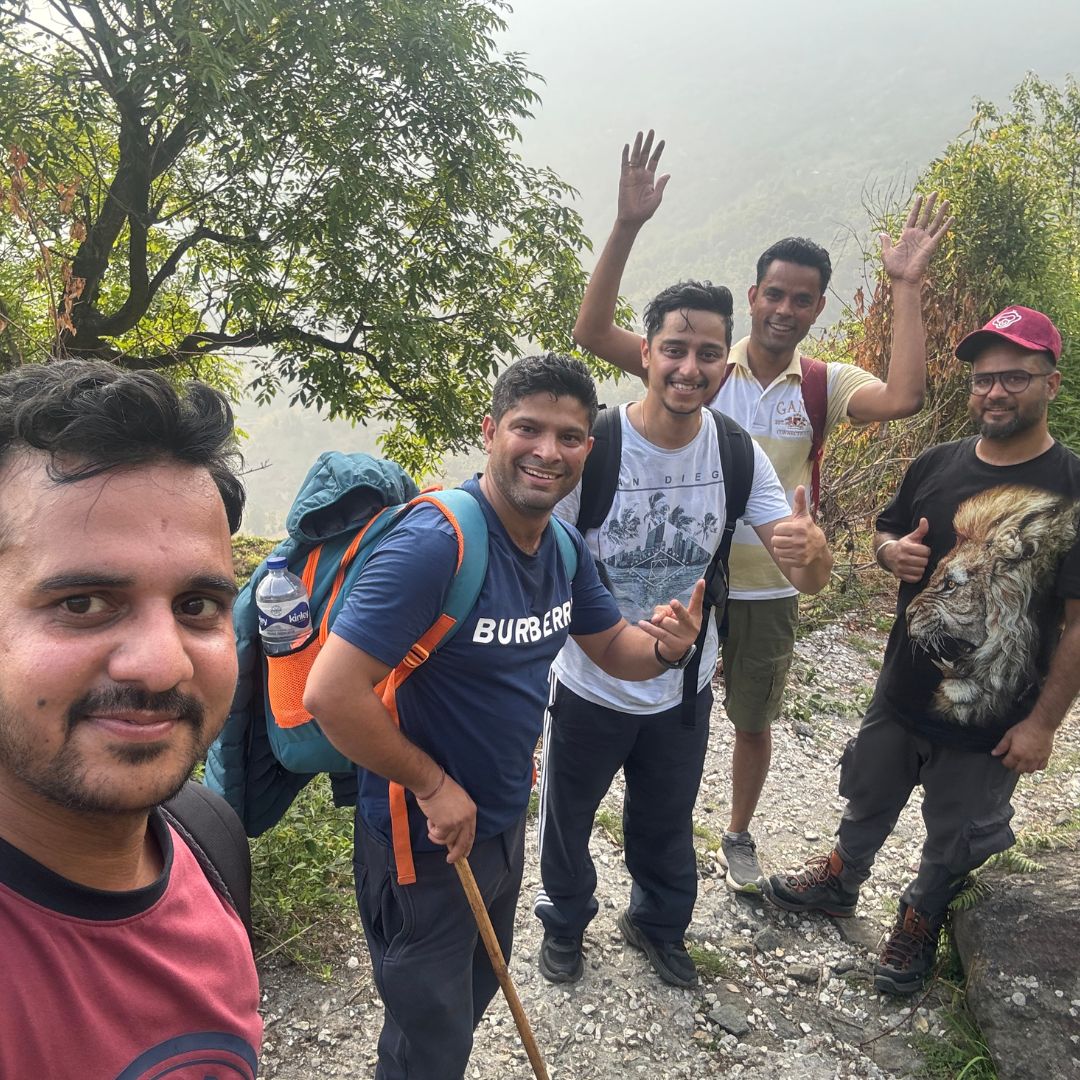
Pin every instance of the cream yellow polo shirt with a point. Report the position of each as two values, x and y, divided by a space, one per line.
777 419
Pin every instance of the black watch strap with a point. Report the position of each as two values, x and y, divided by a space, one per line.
674 665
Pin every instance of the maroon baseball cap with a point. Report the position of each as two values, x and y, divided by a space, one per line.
1022 326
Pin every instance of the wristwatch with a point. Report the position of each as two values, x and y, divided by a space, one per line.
674 665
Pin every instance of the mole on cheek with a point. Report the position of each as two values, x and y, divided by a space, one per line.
42 702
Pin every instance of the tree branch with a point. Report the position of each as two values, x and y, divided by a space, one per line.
207 342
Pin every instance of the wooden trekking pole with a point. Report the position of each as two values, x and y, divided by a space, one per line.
502 973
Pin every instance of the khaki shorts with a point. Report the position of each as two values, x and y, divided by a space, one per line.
757 656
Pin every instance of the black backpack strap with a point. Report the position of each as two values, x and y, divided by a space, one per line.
737 465
600 477
210 827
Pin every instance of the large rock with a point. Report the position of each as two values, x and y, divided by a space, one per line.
1020 947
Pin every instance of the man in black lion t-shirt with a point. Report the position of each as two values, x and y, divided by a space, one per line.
978 672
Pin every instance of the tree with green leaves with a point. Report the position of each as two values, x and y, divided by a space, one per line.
328 187
1013 182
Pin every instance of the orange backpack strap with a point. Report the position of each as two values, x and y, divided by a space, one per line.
387 689
467 519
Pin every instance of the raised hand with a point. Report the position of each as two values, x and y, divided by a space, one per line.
796 540
640 192
907 557
675 626
908 259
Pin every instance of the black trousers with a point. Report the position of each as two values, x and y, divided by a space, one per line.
585 745
430 966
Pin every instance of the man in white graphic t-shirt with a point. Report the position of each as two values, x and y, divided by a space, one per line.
657 538
789 403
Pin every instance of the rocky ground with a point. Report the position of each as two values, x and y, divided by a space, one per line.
781 995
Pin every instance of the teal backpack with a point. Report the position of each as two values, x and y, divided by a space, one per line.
270 746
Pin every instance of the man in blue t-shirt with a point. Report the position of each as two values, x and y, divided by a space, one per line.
471 716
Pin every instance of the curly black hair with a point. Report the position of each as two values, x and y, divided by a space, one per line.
91 417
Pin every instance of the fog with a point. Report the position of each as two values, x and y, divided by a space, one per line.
781 119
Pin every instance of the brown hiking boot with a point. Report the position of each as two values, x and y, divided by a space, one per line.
815 888
907 957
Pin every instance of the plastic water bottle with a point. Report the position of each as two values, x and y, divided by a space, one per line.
284 612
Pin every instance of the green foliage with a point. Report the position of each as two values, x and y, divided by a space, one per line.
962 1051
960 1055
301 876
248 552
329 186
1013 179
611 824
1017 859
712 838
711 963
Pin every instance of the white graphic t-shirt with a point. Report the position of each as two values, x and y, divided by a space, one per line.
659 537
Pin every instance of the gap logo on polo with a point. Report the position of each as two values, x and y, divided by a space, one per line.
775 416
477 705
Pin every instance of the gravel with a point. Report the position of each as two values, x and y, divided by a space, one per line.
781 995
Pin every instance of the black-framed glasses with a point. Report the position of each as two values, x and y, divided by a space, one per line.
1012 382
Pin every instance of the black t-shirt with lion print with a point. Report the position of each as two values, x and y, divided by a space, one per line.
973 639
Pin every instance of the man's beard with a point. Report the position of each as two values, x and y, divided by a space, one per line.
63 779
1017 423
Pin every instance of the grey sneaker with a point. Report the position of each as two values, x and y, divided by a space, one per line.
738 855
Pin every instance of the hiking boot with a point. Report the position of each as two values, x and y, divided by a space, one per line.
669 959
560 958
908 955
815 888
738 856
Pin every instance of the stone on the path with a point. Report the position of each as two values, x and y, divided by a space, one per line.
731 1018
859 932
1020 947
767 940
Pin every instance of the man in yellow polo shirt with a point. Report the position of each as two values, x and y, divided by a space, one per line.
780 397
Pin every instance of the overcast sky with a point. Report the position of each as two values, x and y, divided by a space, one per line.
744 90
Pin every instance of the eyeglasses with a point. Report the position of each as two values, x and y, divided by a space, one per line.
1012 382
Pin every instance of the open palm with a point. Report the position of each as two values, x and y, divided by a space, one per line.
909 258
640 192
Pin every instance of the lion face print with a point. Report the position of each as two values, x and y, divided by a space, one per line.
977 618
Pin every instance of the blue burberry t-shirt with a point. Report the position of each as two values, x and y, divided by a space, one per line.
476 706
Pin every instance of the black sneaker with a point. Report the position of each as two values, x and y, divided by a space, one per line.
909 952
815 888
669 959
560 958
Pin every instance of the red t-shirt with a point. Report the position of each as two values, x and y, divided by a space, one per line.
124 986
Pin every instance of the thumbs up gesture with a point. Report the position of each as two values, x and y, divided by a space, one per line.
907 557
796 540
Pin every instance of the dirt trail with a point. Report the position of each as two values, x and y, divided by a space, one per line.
781 995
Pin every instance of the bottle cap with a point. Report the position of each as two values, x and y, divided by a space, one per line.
276 562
